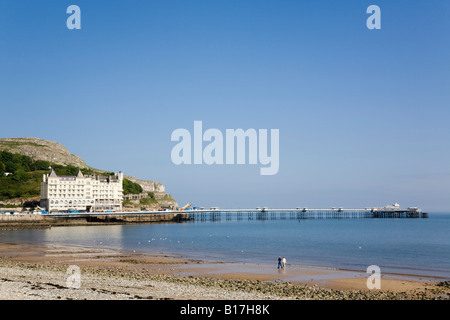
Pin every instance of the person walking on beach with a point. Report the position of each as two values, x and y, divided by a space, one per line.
279 263
283 262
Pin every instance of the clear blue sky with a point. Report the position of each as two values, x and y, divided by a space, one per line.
363 114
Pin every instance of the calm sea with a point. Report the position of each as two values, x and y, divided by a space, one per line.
411 246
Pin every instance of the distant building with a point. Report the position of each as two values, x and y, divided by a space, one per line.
81 193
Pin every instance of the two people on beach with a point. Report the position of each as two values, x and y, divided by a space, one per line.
281 262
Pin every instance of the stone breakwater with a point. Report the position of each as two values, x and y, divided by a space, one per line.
31 221
37 281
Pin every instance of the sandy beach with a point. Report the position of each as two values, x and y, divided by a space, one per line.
41 272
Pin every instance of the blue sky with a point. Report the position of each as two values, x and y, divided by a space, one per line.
363 114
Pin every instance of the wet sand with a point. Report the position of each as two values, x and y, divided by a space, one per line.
23 264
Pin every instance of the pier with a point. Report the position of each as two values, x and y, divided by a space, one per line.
216 214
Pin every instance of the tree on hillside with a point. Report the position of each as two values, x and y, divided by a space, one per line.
40 165
19 175
129 187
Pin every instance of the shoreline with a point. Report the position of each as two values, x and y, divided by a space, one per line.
32 271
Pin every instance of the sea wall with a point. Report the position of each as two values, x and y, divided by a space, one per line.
37 221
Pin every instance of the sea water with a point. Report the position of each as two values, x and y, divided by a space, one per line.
403 245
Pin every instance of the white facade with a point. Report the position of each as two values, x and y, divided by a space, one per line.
81 193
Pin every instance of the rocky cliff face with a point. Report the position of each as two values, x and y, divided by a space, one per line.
39 149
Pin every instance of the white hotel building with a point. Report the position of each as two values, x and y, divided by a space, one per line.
81 193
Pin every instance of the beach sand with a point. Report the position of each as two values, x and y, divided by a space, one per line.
40 272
